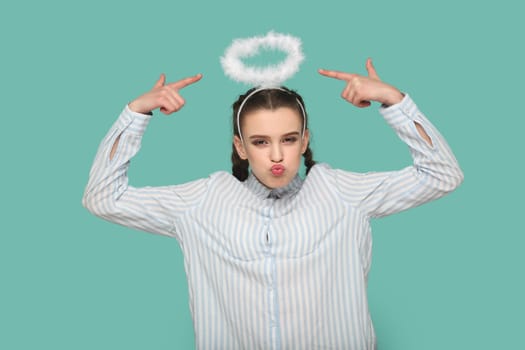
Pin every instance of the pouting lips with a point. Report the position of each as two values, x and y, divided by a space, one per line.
277 169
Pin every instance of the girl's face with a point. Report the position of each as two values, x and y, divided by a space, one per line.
273 145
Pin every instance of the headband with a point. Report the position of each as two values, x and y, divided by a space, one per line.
270 77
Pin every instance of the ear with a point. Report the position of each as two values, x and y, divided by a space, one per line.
239 146
305 139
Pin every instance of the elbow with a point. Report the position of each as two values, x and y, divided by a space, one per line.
443 181
89 203
454 179
460 178
94 205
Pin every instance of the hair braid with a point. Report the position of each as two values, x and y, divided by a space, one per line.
239 166
309 161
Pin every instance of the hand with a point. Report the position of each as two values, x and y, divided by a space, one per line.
361 90
163 96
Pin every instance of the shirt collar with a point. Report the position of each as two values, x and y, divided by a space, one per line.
264 192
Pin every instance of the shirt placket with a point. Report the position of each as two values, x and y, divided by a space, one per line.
271 279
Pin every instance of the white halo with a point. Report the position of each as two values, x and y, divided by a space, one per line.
269 76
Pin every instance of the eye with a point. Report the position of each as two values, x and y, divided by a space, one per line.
259 142
289 139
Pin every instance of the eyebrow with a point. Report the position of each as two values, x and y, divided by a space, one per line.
291 133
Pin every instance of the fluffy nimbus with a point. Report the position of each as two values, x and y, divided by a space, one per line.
269 76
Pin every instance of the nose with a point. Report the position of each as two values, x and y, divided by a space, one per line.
276 154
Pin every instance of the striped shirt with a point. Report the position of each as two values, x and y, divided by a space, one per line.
275 269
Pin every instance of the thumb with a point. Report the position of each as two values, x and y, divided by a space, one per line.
161 81
371 70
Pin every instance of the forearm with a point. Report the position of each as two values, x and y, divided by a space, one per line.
393 96
108 175
431 153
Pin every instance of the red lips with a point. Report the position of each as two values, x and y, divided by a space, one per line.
277 170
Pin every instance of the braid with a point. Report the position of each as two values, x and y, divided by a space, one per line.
239 166
309 161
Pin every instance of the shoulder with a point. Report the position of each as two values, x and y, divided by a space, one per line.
321 178
345 185
222 176
224 183
216 181
323 172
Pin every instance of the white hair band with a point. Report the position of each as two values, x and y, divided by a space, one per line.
258 90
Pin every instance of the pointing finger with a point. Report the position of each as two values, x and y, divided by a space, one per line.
186 81
336 74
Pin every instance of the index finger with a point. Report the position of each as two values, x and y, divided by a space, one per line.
336 74
186 81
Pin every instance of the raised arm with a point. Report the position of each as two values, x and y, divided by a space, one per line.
108 194
435 170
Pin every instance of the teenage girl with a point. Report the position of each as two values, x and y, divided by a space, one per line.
274 260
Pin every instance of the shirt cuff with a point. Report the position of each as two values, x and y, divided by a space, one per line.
400 113
132 121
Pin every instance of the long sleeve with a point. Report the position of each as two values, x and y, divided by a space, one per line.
434 172
109 195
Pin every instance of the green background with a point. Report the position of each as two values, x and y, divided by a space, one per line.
447 275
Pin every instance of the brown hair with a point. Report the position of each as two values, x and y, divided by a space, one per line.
270 99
